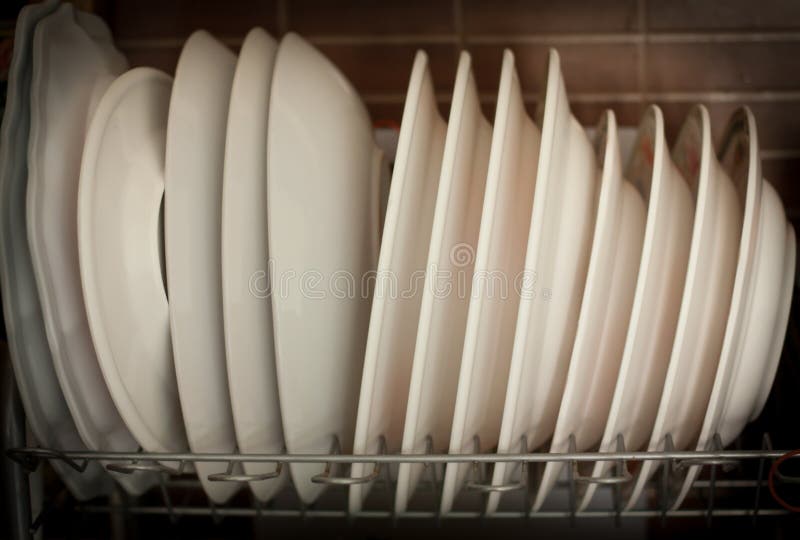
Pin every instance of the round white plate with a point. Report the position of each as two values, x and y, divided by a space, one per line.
45 408
656 304
198 114
247 314
499 260
74 61
758 308
706 294
556 261
120 250
323 173
605 308
440 335
404 248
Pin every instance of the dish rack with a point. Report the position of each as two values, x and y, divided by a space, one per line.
742 482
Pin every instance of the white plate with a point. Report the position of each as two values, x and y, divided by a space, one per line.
249 344
323 187
45 408
605 309
74 61
656 303
757 319
396 303
448 276
556 261
119 244
499 260
198 114
706 294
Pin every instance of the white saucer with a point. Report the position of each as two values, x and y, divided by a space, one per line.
323 173
198 114
74 61
654 316
45 408
396 303
706 295
249 344
556 262
442 319
605 309
500 254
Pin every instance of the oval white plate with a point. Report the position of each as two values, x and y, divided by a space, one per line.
198 114
396 303
654 316
247 312
45 408
323 172
605 308
74 61
556 261
499 260
442 319
706 295
119 227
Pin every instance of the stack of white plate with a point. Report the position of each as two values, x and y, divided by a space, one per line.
205 263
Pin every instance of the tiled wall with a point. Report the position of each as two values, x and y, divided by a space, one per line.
615 53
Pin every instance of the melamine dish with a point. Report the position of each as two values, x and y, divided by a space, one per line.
247 315
323 185
396 302
198 116
448 276
45 408
556 261
499 259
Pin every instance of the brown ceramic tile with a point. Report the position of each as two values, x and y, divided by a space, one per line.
388 114
784 175
586 68
725 15
723 66
366 17
164 59
143 19
546 16
386 68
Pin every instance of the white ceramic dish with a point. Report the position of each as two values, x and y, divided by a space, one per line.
45 408
605 309
74 60
247 315
656 304
448 277
706 295
198 114
119 226
556 261
395 313
499 260
323 184
759 308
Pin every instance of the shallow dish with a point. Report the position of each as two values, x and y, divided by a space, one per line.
119 227
605 308
500 254
706 295
45 408
556 261
396 302
198 115
448 277
247 315
654 316
74 61
323 186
